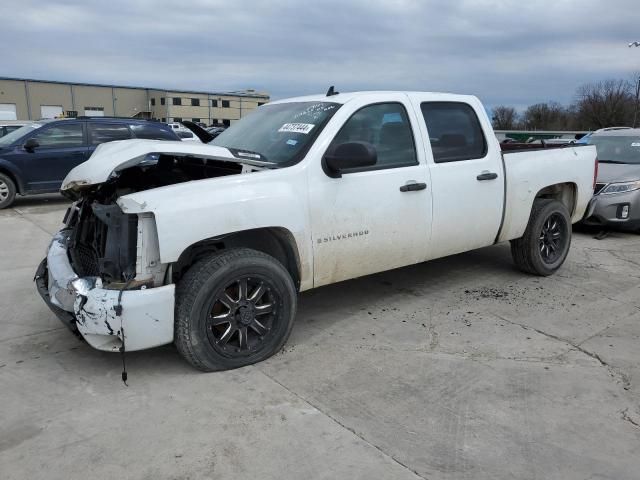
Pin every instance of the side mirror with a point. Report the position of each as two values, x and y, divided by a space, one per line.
348 155
31 144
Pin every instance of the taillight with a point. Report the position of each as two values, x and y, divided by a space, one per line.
595 174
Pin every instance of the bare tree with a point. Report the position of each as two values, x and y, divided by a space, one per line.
546 116
504 118
604 104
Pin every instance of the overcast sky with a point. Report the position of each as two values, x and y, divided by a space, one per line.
513 52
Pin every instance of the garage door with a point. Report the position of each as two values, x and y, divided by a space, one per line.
50 111
8 111
94 111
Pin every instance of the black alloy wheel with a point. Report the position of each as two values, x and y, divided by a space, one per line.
233 308
553 238
241 315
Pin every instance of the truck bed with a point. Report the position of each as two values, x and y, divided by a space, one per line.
528 172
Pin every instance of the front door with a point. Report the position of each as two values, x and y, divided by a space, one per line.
368 220
61 147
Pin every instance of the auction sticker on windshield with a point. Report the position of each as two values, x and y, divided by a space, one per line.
297 127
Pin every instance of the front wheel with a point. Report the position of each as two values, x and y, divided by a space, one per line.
7 191
233 308
545 244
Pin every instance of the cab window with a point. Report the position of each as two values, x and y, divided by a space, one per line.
386 126
454 131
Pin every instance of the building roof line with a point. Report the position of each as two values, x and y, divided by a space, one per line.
84 84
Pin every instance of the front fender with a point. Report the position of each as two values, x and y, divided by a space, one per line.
188 213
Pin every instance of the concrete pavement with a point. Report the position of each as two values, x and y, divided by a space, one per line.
461 368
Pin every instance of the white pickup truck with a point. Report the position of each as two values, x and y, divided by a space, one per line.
207 245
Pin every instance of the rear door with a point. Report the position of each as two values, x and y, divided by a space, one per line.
368 220
62 146
466 173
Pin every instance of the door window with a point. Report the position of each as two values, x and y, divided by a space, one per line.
386 126
153 132
61 136
102 133
454 131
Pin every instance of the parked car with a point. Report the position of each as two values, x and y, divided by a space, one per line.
585 138
36 158
8 126
207 245
616 201
215 131
183 132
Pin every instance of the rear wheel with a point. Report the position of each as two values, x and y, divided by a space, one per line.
233 308
545 244
7 191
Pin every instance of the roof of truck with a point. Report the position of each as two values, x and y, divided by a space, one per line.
347 96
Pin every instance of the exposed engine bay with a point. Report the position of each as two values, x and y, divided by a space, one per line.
104 242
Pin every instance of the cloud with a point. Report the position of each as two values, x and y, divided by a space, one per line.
509 52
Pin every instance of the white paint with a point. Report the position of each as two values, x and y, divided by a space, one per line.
341 227
529 172
466 212
147 318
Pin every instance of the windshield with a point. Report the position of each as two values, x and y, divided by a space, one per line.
617 149
11 138
280 133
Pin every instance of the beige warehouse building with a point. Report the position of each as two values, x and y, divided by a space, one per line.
25 99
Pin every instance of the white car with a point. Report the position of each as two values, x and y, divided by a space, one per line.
183 132
8 126
207 245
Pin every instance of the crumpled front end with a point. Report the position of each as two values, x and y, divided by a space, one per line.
99 291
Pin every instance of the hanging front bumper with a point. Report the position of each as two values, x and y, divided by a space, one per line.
105 317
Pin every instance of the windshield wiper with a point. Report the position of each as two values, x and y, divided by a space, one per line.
611 161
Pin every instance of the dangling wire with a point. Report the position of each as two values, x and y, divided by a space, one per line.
118 310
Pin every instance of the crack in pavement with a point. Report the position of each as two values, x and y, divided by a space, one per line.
24 216
4 340
346 427
613 370
627 418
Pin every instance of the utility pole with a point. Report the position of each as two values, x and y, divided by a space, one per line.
635 107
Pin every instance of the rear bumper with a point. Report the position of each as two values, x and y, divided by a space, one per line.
605 211
82 304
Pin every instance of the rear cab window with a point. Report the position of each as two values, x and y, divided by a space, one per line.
454 131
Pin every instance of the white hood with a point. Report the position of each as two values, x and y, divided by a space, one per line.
114 156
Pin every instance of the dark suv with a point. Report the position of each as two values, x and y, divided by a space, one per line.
37 157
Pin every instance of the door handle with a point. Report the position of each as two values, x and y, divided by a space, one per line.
487 176
412 187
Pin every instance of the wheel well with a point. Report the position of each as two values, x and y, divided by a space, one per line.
565 193
13 178
275 241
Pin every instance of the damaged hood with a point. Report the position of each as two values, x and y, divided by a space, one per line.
112 157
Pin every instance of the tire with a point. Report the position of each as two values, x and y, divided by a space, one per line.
215 310
539 251
7 191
